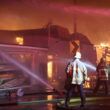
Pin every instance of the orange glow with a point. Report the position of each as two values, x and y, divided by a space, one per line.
49 97
19 40
100 49
87 84
50 57
49 105
50 69
103 45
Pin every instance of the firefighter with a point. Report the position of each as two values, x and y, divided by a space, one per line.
102 76
79 75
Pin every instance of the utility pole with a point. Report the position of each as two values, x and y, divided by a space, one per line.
49 31
74 17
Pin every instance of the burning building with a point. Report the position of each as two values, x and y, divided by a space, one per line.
46 51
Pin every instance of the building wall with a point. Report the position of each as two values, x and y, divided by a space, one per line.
36 41
60 50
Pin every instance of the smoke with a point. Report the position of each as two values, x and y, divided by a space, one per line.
80 9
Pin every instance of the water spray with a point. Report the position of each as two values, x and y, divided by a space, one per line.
90 66
87 64
23 68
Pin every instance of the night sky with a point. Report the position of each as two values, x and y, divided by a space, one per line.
92 16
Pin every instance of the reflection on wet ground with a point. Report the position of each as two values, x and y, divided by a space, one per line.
52 101
30 102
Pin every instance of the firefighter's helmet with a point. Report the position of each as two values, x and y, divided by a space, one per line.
78 55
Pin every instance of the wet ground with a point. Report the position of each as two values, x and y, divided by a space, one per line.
53 101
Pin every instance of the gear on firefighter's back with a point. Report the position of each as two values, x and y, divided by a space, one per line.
70 72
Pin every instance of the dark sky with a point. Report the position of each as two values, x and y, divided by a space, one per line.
92 16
